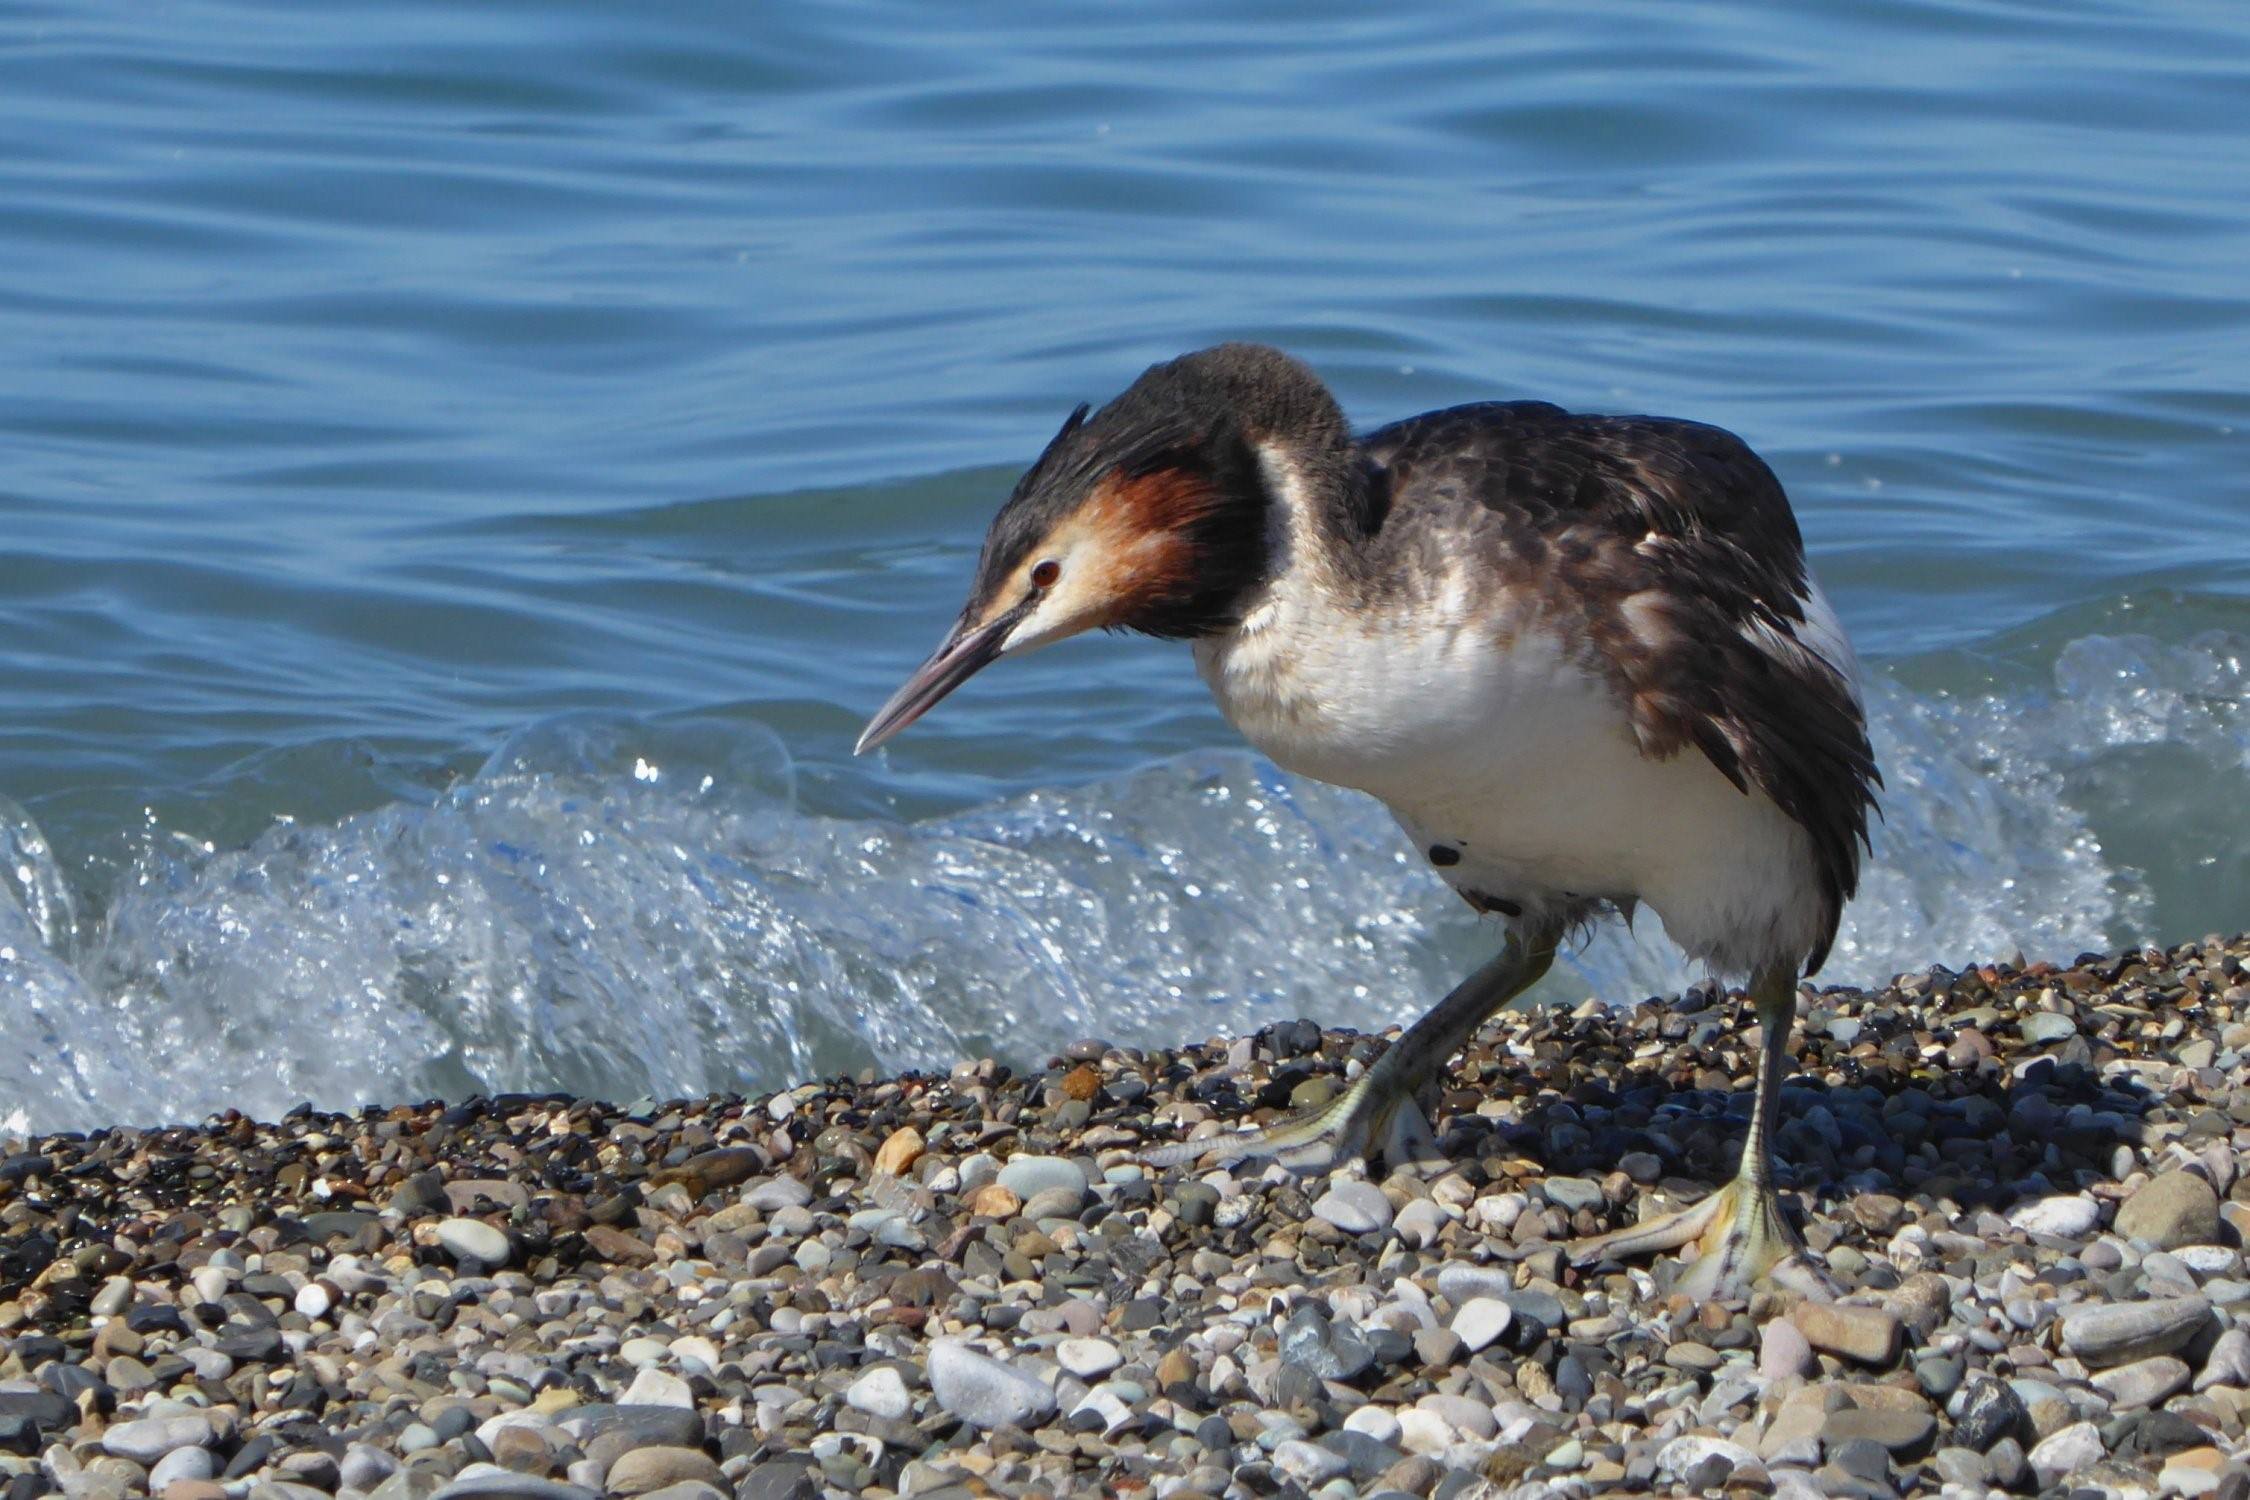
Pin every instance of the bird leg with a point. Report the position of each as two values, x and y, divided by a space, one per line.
1740 1235
1377 1115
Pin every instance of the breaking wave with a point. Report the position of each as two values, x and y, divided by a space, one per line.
621 909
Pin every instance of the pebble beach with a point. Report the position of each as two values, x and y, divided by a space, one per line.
967 1284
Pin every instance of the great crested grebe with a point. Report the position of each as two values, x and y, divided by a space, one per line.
1580 658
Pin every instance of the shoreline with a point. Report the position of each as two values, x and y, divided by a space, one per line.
965 1283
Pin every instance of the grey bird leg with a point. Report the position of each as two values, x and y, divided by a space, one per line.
1377 1116
1740 1234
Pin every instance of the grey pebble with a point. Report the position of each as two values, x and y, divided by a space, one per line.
984 1392
1354 1207
473 1240
2116 1332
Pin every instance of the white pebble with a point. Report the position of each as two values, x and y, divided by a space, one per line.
984 1392
881 1392
1354 1207
2071 1216
1480 1321
654 1387
1088 1359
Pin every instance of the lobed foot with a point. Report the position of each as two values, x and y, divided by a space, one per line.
1369 1120
1741 1240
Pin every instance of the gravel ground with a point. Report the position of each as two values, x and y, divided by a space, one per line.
967 1285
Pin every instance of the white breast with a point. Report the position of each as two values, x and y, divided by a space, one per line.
1485 731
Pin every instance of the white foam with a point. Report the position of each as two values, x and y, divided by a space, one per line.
615 910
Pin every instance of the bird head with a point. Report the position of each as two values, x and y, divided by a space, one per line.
1149 515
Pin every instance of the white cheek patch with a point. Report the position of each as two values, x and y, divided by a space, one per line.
1075 602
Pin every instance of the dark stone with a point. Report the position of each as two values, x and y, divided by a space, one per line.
1842 1484
1572 1383
36 1349
71 1383
23 1258
47 1410
650 1426
1543 1310
1143 1313
254 1345
1295 1038
2008 1464
1939 1378
1389 1346
27 1165
27 1487
2155 1434
1991 1411
18 1434
168 1370
304 1394
251 1457
157 1317
1445 856
338 1224
1367 1455
248 1311
1863 1457
421 1196
1710 1475
1296 1386
790 1478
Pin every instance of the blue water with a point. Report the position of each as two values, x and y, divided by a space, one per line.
467 472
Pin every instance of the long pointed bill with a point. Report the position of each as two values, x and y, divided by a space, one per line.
959 659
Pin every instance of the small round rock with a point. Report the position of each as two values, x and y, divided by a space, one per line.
1088 1359
881 1392
473 1240
1355 1208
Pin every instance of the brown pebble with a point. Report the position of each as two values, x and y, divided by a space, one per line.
992 1201
614 1244
900 1150
1175 1368
1081 1082
1867 1334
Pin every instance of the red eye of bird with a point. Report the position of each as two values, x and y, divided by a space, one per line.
1044 576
